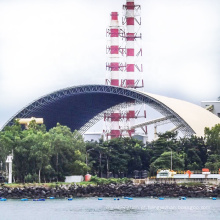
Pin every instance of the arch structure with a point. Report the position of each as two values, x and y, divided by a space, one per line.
80 107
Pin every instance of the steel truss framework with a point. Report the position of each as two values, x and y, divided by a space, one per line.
80 107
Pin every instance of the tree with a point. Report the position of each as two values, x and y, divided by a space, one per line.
166 141
118 156
40 152
212 137
68 152
213 162
164 162
194 152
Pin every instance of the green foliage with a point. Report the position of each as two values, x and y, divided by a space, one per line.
28 178
212 137
191 184
119 156
213 162
165 142
164 162
49 156
43 156
194 151
104 181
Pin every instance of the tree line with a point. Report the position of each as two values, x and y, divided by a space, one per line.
40 155
44 156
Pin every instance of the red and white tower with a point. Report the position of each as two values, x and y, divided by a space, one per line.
114 68
123 67
132 21
134 77
113 48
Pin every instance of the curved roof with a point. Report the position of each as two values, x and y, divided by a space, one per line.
77 106
195 116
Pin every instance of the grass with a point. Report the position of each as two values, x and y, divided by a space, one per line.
191 184
94 181
22 185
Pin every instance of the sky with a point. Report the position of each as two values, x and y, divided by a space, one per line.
47 45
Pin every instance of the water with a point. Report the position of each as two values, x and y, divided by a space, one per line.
108 208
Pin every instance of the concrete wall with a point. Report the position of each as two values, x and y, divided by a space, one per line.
73 179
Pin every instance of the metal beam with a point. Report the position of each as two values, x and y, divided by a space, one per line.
151 122
176 128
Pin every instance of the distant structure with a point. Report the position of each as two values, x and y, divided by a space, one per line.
79 108
93 136
140 137
26 121
123 67
114 66
212 106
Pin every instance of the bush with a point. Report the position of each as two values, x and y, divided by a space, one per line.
104 181
191 184
28 178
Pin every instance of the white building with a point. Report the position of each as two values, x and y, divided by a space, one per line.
140 137
93 136
212 106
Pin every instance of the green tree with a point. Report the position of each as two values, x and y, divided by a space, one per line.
166 141
40 152
164 162
118 156
212 137
213 162
194 151
68 152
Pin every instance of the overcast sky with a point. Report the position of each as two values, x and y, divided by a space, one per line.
46 45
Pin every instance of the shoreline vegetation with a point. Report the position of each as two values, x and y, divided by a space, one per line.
45 156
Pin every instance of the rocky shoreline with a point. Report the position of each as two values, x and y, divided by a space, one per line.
130 190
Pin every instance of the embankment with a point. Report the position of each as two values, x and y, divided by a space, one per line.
131 190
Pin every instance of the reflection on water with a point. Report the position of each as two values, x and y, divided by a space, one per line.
108 208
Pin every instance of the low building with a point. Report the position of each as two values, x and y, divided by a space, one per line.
93 136
167 176
74 179
140 137
212 106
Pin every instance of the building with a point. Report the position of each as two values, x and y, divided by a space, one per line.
93 136
212 106
140 137
81 107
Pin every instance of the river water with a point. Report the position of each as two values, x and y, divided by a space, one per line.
108 208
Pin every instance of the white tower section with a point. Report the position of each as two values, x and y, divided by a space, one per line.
114 68
134 78
9 161
123 67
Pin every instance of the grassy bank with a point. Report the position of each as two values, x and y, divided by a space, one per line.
94 181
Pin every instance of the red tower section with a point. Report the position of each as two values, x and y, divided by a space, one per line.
123 66
114 67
